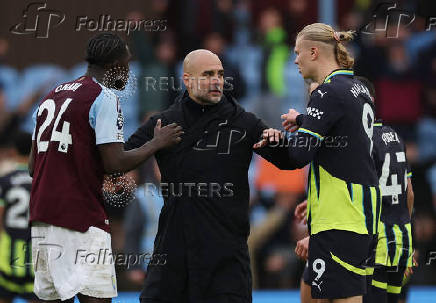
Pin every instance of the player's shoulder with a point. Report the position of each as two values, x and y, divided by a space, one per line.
344 88
379 145
103 92
325 91
100 96
81 88
5 177
83 83
385 128
320 91
4 180
386 134
18 175
381 128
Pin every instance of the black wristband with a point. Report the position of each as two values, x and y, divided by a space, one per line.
299 119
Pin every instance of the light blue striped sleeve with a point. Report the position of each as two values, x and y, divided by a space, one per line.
34 115
106 118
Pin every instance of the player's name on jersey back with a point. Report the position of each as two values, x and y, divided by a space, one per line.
68 86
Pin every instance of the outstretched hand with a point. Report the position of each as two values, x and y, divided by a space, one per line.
269 135
167 135
290 120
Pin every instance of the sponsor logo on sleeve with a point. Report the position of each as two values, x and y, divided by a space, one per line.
314 112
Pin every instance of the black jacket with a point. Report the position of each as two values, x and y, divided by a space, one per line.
204 224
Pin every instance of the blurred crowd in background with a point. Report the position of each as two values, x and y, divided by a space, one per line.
254 40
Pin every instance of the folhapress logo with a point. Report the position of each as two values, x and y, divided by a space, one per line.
38 20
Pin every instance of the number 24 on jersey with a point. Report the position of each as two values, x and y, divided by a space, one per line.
63 137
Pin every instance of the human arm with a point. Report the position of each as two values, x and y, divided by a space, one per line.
297 151
273 148
302 248
301 212
116 159
323 112
143 134
105 117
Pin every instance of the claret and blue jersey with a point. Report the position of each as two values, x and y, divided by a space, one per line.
70 122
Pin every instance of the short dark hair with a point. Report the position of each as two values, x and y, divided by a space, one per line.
365 81
22 142
105 48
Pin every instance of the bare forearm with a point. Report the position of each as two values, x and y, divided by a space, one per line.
124 161
135 157
117 160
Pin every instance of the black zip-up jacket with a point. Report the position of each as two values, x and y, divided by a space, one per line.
204 224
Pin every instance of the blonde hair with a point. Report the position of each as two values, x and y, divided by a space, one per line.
325 33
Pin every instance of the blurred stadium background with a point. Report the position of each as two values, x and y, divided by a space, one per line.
254 39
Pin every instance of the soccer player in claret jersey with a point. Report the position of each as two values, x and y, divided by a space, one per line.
78 138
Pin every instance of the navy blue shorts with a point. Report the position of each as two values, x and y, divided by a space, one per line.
337 264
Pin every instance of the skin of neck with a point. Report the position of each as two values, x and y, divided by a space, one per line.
325 69
96 72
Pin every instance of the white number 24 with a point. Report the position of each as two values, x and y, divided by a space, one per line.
63 137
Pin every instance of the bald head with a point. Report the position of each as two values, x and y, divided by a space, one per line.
199 58
203 76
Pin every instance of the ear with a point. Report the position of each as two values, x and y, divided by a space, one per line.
314 53
187 80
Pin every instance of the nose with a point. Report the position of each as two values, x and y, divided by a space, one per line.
215 81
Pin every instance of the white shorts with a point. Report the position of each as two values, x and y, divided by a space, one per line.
68 262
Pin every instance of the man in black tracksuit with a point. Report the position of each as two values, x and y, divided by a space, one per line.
201 244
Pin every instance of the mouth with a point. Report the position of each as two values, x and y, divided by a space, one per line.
215 92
